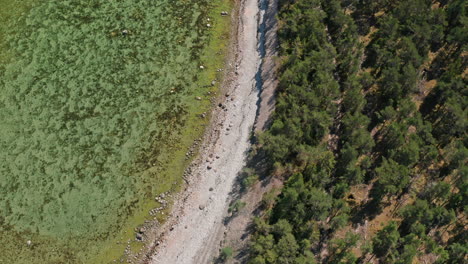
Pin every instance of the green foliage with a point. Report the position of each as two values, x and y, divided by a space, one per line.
339 214
449 109
421 216
392 178
385 241
249 178
236 206
226 253
299 203
349 114
340 249
457 253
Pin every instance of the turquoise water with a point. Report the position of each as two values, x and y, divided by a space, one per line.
90 92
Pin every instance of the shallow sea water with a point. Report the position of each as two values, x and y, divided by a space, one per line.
90 91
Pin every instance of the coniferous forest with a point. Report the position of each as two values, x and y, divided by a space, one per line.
368 134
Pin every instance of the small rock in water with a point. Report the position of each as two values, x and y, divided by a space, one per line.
139 237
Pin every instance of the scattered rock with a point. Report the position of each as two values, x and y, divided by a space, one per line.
208 25
202 67
209 167
139 237
28 242
211 189
213 83
201 207
198 98
224 13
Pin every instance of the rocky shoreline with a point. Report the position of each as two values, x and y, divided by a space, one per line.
195 227
197 216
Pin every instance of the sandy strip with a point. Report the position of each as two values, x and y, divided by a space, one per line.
197 217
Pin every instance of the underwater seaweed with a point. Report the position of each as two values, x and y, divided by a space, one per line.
90 93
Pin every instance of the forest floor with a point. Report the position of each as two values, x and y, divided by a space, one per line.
196 225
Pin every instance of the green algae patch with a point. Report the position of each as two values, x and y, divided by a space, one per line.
97 109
